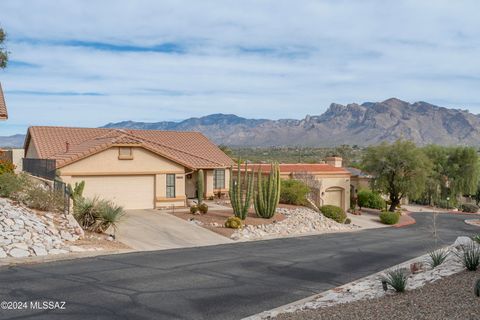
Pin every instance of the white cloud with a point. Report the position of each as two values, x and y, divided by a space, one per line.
271 59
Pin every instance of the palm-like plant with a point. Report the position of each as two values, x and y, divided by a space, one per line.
109 214
437 257
85 212
397 279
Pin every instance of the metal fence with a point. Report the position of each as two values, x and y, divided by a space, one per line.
43 168
46 169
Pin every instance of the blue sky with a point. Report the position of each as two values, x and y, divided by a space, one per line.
87 63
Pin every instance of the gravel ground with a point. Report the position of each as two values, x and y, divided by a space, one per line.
448 298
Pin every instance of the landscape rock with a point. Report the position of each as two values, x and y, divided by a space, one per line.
298 221
24 232
39 251
463 241
18 253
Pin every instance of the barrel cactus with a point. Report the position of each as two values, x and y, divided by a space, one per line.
268 193
203 208
233 223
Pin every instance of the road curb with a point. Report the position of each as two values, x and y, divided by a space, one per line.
409 220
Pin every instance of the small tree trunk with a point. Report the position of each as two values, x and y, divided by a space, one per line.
394 202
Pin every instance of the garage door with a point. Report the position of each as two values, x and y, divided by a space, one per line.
131 192
333 196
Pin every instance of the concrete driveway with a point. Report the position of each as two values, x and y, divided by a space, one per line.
145 230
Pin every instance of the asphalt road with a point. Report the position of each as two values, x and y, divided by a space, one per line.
228 281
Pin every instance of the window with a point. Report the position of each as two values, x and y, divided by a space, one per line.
170 186
219 179
125 153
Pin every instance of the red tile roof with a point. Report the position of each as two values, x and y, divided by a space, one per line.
3 106
190 149
288 168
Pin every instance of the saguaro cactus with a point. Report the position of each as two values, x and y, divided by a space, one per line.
268 192
200 185
241 191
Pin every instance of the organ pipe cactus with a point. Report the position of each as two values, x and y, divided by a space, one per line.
240 192
268 193
200 185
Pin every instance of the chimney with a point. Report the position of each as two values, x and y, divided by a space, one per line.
334 161
67 146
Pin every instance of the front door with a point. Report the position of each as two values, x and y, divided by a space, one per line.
191 185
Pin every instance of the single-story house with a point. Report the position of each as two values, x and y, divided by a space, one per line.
3 105
330 180
359 179
137 169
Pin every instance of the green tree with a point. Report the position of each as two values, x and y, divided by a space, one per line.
455 172
3 50
399 169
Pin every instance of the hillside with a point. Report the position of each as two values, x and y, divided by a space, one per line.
353 124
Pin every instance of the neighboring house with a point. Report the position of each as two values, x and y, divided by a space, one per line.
14 156
329 180
3 105
359 179
138 169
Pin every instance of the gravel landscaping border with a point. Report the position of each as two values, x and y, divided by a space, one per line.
370 287
448 298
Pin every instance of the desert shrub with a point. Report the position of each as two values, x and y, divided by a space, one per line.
6 167
397 279
109 215
11 184
469 207
470 256
437 257
348 221
85 212
388 217
194 209
94 214
476 238
42 198
334 213
444 204
203 208
233 222
293 192
370 199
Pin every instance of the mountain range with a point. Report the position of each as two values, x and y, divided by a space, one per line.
354 124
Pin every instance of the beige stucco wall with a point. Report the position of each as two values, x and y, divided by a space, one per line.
107 162
31 151
144 163
360 183
17 156
331 182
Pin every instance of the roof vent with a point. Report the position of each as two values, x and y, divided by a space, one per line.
67 146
